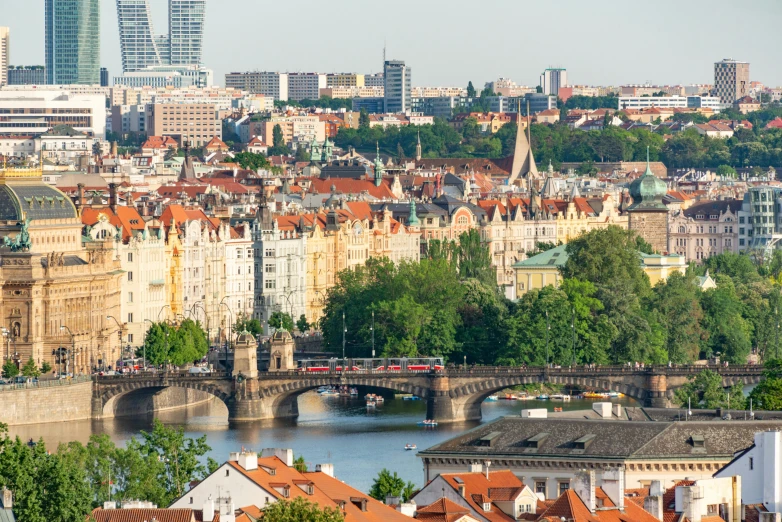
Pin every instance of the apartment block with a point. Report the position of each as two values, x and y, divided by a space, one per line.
305 86
352 92
344 80
26 75
5 52
195 122
437 92
552 79
272 84
731 80
398 86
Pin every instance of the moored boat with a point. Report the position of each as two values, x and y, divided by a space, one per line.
409 447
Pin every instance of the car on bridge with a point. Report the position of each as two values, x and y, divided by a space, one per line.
198 370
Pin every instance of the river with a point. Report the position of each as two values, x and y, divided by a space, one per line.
337 430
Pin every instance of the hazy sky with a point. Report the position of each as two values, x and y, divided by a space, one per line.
448 42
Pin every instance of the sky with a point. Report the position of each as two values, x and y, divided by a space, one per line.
451 42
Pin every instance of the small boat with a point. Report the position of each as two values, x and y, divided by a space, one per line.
510 397
411 398
353 392
379 399
427 423
330 393
557 397
543 397
614 395
371 404
557 410
492 398
410 447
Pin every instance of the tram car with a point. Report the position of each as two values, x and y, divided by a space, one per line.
403 364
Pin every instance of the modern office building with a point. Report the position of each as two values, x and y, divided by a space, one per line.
668 102
344 80
731 80
398 86
104 77
552 79
163 76
374 80
33 112
72 41
760 220
5 52
273 84
26 75
142 48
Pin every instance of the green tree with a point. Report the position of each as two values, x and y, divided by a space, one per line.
10 370
302 155
300 510
363 119
181 457
726 171
388 484
473 258
251 161
767 395
705 390
301 323
279 146
46 367
470 90
156 344
281 320
30 369
249 324
679 313
299 464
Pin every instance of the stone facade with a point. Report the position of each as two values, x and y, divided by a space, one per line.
705 229
652 226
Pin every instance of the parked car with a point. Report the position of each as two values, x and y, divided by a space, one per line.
21 379
3 382
199 370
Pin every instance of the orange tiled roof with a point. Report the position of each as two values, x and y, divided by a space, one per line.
127 217
145 515
477 488
352 186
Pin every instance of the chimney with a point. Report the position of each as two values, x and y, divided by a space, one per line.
692 502
656 488
113 199
326 469
584 486
614 486
285 455
248 460
391 500
8 499
488 464
654 506
209 509
79 195
476 467
109 504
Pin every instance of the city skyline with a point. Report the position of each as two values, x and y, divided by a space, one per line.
568 42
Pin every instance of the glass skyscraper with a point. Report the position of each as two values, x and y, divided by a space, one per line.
142 48
72 41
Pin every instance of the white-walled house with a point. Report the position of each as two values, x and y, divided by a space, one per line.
760 469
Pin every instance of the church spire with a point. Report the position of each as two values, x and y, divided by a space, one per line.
523 160
418 148
413 219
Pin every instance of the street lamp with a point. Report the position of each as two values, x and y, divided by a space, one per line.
161 310
573 325
344 331
73 351
548 327
230 327
120 335
373 334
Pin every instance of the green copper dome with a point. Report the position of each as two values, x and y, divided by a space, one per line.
648 190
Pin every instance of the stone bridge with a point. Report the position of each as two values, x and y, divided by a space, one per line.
452 395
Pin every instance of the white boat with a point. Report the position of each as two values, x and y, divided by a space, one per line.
492 398
330 393
371 404
353 392
543 397
411 398
410 447
427 423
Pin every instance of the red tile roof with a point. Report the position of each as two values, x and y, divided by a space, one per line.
352 186
145 515
127 217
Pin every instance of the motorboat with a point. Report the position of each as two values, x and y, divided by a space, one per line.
492 398
428 423
543 397
410 447
411 398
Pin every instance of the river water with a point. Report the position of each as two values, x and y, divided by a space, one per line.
338 430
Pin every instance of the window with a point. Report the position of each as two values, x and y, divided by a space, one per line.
130 276
226 472
540 486
130 257
487 506
751 463
269 269
130 318
130 338
269 283
563 486
130 297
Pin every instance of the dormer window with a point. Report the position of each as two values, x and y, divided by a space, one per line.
486 506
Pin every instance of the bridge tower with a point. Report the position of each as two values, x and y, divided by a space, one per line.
657 390
247 403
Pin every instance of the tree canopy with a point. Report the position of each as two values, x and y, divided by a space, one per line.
300 510
390 484
178 345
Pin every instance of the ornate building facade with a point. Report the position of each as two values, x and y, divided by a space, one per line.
57 286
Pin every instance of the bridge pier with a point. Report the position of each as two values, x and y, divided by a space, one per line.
657 391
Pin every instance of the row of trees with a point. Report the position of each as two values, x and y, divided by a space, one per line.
68 483
174 344
558 143
449 305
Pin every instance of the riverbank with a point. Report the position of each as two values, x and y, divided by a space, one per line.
68 401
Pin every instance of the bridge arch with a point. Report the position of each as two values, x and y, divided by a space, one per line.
108 399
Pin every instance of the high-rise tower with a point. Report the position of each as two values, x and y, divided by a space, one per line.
5 48
142 48
72 41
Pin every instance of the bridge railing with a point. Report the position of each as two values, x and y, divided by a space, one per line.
595 370
49 383
108 379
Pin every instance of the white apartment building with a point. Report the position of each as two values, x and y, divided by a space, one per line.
552 79
352 92
239 275
272 84
5 52
280 268
18 146
167 76
36 111
668 102
128 118
704 230
760 469
305 86
194 237
437 92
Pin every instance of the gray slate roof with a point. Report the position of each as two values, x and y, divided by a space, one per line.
613 439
